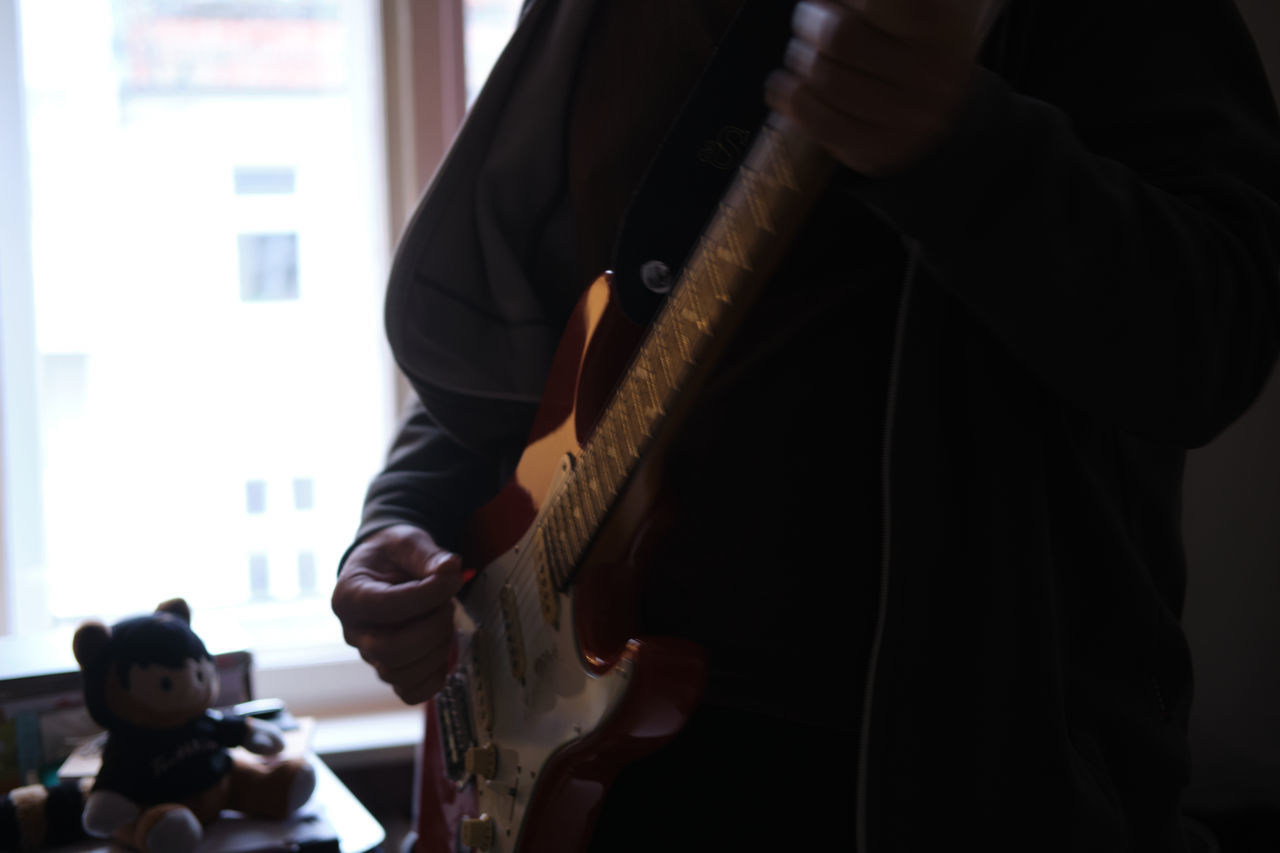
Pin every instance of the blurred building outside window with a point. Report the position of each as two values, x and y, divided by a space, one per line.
208 246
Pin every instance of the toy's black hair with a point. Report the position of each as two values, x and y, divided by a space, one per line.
147 640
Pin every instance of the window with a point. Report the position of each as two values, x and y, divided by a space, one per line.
255 497
259 580
263 180
194 238
208 243
268 267
306 572
303 497
488 24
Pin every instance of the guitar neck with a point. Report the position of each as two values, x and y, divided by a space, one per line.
765 205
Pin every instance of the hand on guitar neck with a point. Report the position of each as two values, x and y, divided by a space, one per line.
880 83
394 596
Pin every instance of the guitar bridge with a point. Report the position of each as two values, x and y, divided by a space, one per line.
453 715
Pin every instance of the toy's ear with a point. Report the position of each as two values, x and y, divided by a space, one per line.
89 641
176 607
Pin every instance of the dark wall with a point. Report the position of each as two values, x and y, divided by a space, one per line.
1233 593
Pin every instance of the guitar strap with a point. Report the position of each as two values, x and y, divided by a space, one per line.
699 157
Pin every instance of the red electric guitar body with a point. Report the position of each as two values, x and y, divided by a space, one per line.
553 692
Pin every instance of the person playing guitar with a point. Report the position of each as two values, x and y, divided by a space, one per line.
872 540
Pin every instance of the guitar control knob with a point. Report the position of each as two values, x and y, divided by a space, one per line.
477 832
482 761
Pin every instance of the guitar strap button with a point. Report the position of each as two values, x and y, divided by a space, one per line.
656 276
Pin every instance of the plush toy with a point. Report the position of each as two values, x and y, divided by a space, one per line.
166 768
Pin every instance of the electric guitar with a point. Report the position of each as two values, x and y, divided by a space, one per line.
552 693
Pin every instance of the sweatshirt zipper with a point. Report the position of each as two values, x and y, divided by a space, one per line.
886 444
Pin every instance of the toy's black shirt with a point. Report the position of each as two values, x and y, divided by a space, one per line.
154 766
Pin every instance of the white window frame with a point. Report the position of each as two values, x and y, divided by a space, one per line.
21 537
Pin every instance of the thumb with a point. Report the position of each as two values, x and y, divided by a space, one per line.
394 575
414 552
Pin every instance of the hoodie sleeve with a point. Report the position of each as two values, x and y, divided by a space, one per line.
1108 208
434 480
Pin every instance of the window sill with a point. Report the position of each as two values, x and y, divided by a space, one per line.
370 739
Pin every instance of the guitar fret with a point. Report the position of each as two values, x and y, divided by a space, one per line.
619 436
728 242
591 493
557 556
660 338
682 344
703 311
616 429
662 359
627 411
635 429
618 464
609 451
602 495
775 161
581 495
660 380
573 545
621 457
568 533
578 522
565 530
761 213
756 192
560 536
716 275
647 402
626 433
592 460
689 318
649 405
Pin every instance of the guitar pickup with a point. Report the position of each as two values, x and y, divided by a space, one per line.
453 716
482 702
514 632
547 596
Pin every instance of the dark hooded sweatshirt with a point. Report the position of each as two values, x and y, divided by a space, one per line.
930 502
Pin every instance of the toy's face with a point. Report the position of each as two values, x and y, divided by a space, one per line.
162 696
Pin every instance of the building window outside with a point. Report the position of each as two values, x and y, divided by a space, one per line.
255 497
306 573
259 576
263 180
268 267
303 493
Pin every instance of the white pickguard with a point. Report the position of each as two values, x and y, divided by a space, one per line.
557 702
